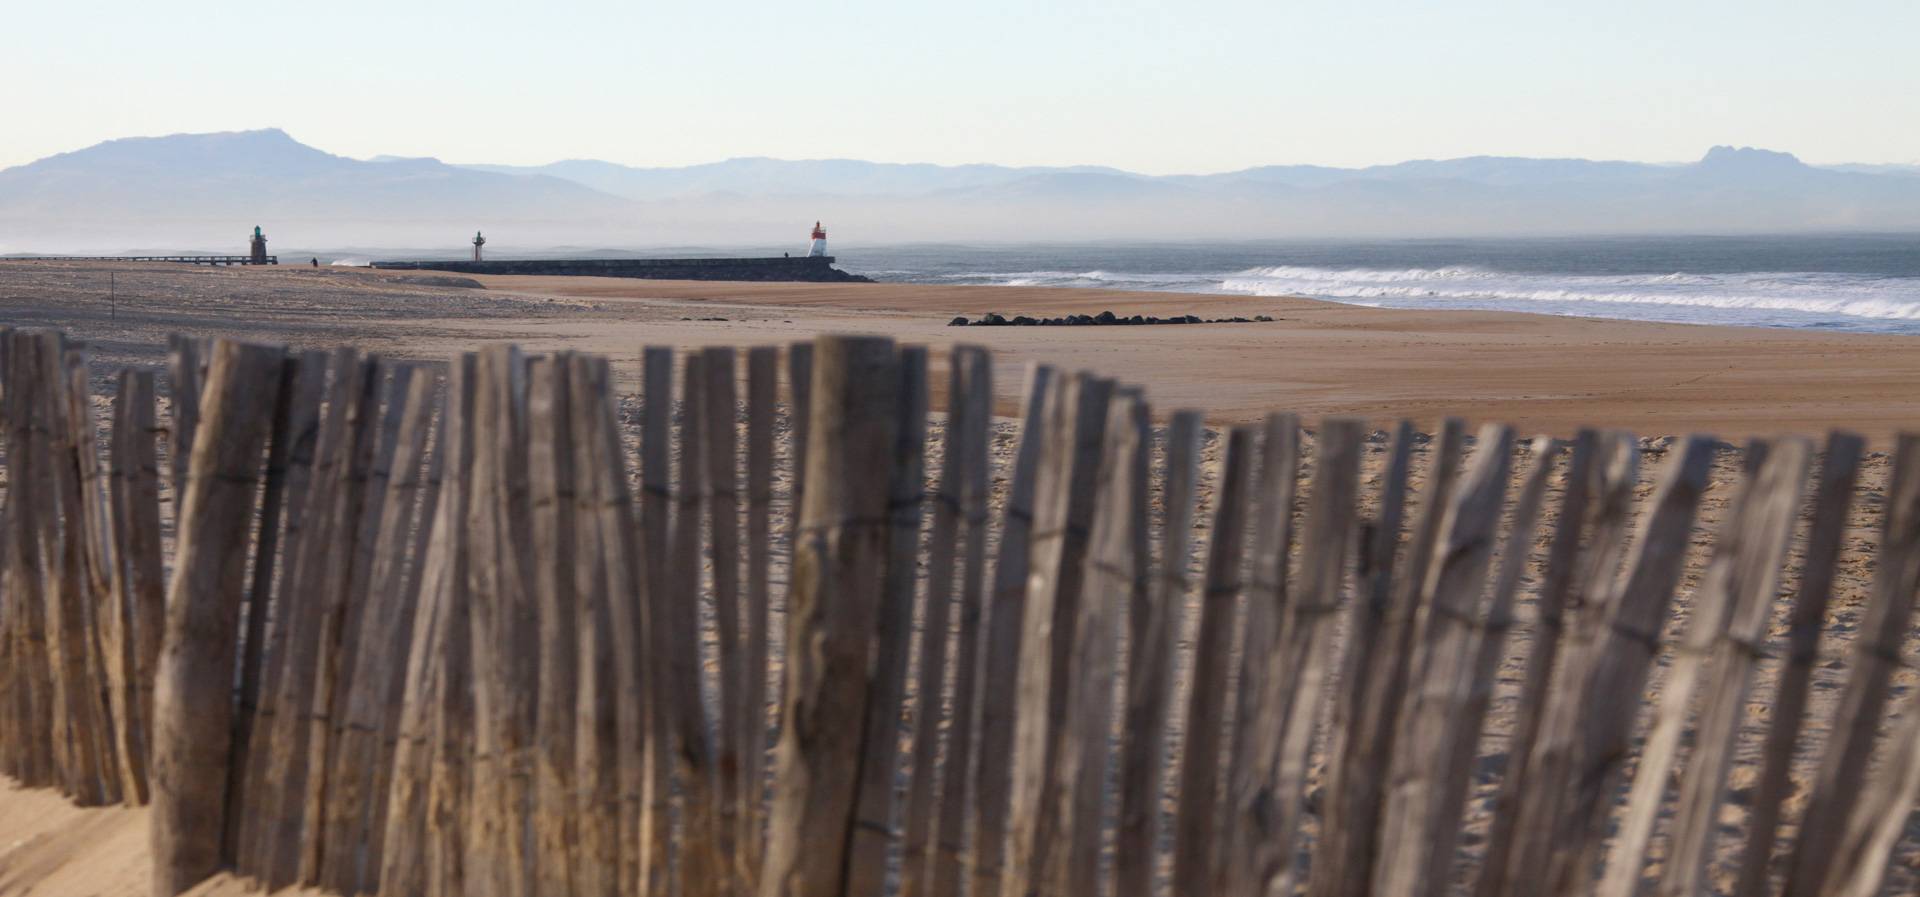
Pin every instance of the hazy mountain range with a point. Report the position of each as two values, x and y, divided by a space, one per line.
206 191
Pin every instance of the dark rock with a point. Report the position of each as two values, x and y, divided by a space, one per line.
1104 318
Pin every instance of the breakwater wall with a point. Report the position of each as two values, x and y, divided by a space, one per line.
817 269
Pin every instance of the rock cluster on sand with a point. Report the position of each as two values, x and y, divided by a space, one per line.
995 319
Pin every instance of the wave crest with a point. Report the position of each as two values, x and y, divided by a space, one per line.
1778 298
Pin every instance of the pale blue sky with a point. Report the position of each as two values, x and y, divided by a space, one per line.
1199 86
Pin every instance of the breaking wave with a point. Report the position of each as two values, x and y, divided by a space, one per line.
1776 298
1813 294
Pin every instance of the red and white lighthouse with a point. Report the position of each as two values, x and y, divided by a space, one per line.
818 248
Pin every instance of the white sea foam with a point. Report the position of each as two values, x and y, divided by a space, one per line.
1768 297
1815 294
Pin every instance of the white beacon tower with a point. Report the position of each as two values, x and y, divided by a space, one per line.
818 248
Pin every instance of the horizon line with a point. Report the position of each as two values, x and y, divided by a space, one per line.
748 157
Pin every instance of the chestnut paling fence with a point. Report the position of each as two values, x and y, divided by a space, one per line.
425 637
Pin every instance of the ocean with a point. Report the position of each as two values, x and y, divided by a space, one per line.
1856 283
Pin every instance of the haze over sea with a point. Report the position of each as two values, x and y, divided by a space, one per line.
1856 282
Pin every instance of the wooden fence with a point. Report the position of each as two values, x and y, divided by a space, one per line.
451 634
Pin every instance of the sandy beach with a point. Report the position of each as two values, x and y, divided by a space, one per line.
1542 373
1546 374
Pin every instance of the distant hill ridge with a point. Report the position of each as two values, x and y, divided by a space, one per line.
199 187
759 174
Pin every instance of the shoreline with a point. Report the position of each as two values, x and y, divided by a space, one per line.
1540 372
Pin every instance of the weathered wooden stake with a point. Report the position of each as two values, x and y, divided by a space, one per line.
405 857
839 579
1117 576
308 444
930 674
1196 829
1246 859
192 697
1556 584
1000 654
554 507
284 786
1839 471
139 596
453 725
967 434
653 621
873 830
762 396
1843 764
183 374
1613 685
295 417
1153 627
1770 514
380 655
1306 640
1374 667
1425 769
702 868
720 492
